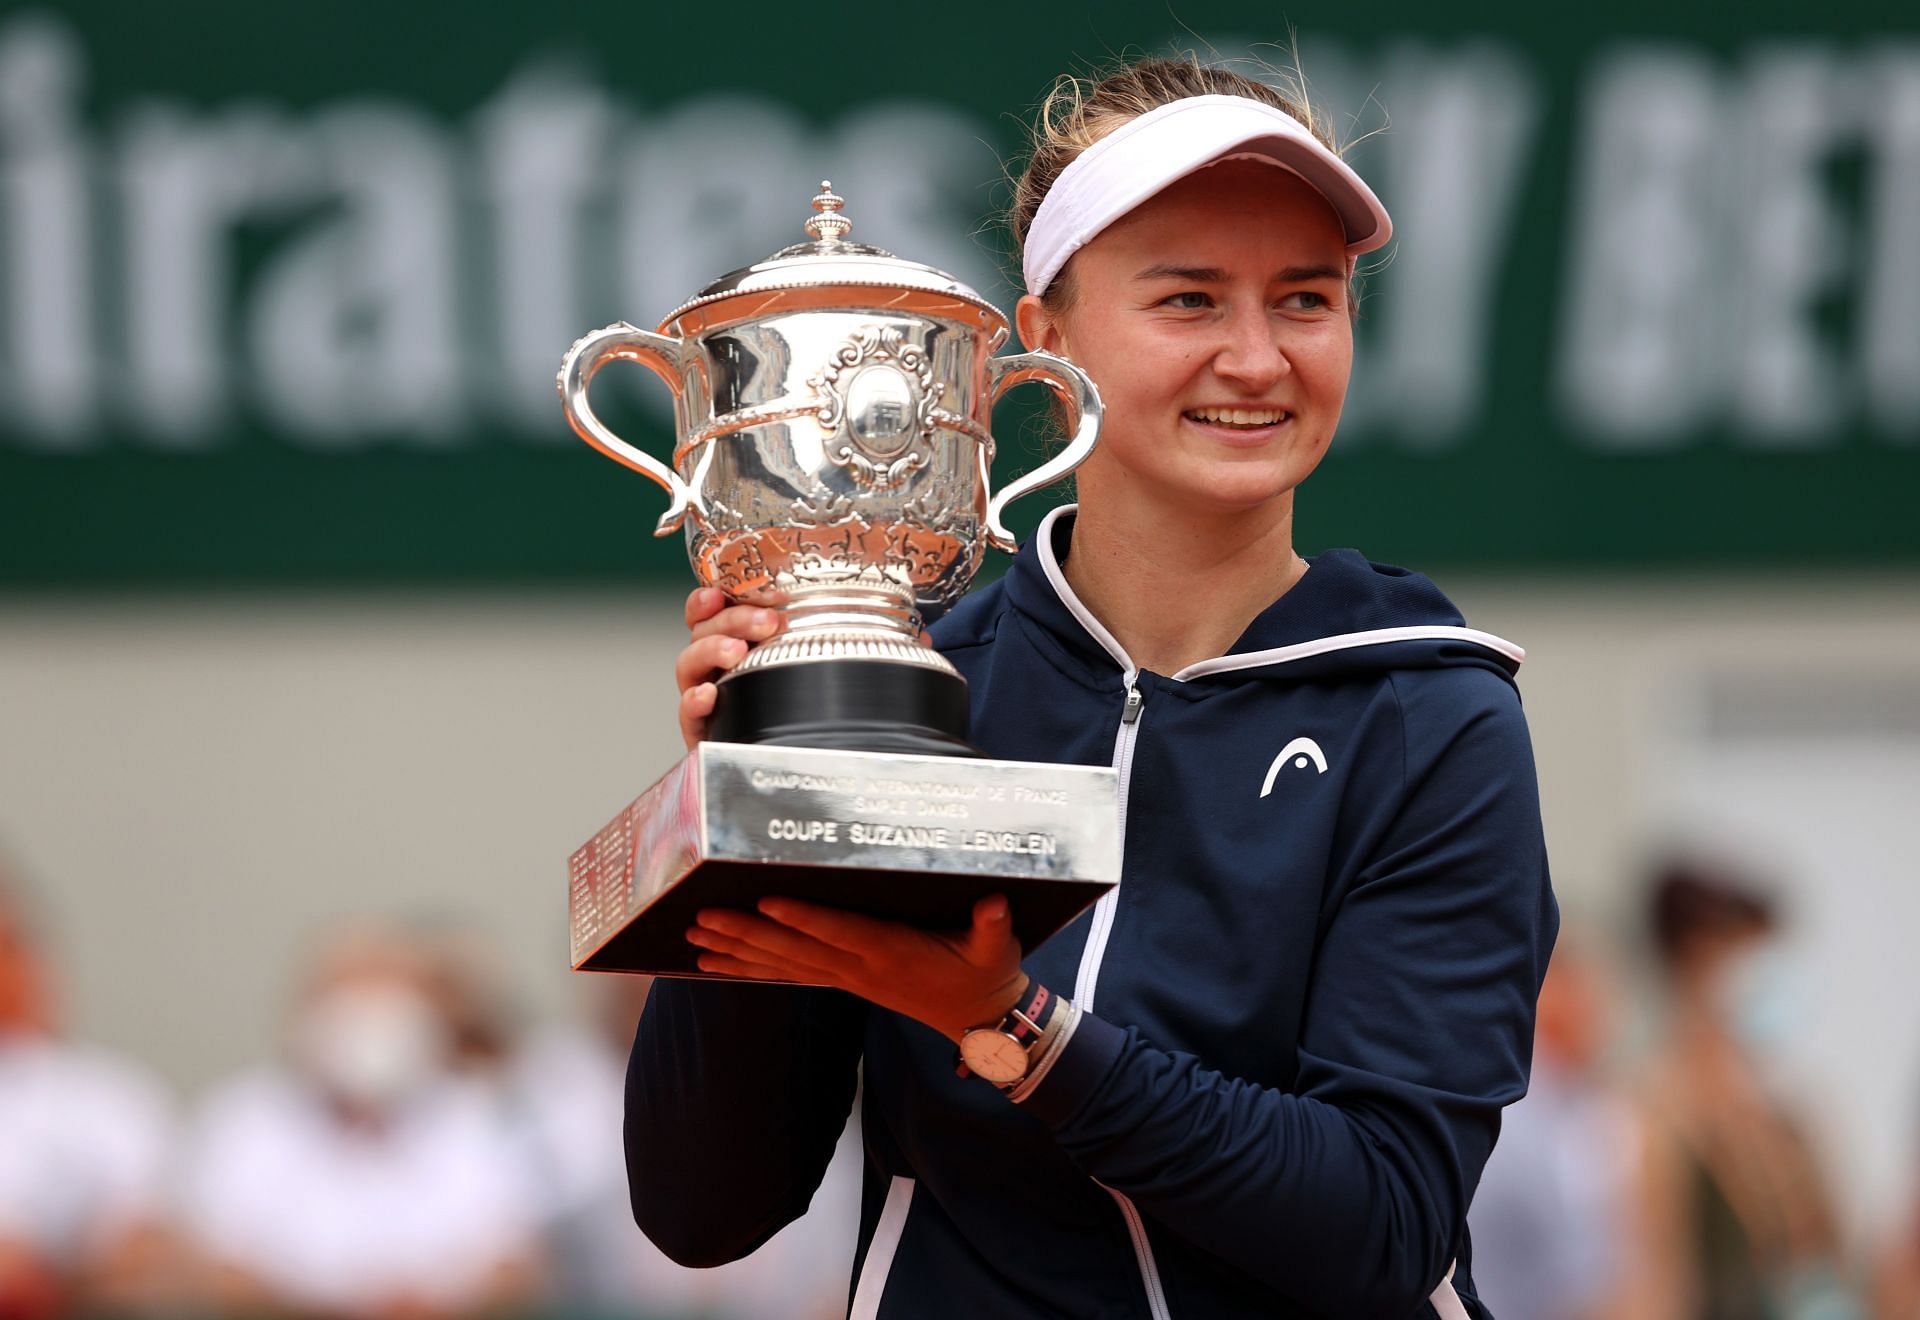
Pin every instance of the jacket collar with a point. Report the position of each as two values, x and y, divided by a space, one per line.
1342 603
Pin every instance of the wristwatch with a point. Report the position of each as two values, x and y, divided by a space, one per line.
1004 1052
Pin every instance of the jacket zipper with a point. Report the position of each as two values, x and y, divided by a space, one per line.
1088 980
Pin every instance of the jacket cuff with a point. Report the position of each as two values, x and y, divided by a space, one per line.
1077 1071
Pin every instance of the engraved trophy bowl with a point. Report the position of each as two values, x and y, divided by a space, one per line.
832 406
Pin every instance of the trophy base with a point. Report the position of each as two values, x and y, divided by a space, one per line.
918 839
851 705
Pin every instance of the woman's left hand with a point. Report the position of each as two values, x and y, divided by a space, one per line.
949 980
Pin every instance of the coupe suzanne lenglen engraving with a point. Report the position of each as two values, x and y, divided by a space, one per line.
910 837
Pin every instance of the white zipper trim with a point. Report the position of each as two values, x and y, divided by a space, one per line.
1280 655
880 1251
1051 567
1143 1253
1446 1302
1086 983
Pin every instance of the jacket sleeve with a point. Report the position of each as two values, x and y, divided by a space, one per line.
1349 1192
736 1096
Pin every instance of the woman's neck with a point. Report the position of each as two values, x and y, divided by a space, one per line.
1176 586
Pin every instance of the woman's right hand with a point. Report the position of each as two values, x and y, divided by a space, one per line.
721 635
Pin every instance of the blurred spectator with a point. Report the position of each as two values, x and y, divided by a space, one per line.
473 997
1899 1291
571 1082
1552 1219
84 1140
362 1177
1736 1219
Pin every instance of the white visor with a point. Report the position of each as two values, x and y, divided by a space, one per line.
1143 156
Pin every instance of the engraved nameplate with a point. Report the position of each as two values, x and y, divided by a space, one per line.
912 838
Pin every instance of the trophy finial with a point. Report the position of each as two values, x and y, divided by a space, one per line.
829 226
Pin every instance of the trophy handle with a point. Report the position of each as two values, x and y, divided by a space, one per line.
1074 388
663 355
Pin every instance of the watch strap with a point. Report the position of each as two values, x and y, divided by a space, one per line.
1026 1022
1059 1031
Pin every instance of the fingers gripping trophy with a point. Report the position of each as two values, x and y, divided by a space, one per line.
832 407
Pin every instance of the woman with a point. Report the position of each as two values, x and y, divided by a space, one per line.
1735 1211
1261 1077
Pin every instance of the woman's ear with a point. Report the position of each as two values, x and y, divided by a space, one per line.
1037 324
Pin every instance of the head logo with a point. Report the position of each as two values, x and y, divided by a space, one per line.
1301 752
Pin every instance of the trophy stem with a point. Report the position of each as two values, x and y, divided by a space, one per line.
848 705
867 616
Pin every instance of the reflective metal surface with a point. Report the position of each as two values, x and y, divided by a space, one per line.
911 837
832 407
829 259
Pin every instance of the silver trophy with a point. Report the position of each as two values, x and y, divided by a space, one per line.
832 407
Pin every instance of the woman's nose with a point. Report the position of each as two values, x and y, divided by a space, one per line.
1251 356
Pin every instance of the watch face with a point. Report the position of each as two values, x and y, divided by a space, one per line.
994 1055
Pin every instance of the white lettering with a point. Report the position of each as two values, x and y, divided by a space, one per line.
1712 262
1452 162
354 327
47 220
185 184
1782 228
781 779
1048 796
883 834
1009 841
1636 367
804 831
1889 279
544 142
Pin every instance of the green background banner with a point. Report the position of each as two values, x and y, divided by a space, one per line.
282 288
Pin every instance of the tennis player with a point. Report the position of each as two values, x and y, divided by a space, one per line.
1261 1077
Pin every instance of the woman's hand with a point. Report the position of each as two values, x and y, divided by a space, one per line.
721 635
950 981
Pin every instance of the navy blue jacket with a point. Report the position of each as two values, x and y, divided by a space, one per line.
1303 1007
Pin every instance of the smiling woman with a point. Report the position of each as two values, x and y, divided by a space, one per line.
1261 1077
1214 316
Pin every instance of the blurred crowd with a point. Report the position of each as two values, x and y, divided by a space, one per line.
410 1154
414 1152
1677 1180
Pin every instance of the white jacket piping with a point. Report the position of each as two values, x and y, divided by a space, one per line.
880 1251
1280 655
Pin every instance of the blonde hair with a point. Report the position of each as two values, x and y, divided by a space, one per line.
1077 112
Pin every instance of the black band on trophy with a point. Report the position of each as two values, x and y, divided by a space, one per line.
848 705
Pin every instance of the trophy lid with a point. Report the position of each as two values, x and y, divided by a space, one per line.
831 270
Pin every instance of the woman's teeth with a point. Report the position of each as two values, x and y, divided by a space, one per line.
1239 416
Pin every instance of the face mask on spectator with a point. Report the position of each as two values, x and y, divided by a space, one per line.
1763 999
371 1045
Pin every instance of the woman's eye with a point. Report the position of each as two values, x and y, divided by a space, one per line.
1305 301
1191 301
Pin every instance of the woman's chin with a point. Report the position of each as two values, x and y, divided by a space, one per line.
1210 482
1234 490
1238 484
